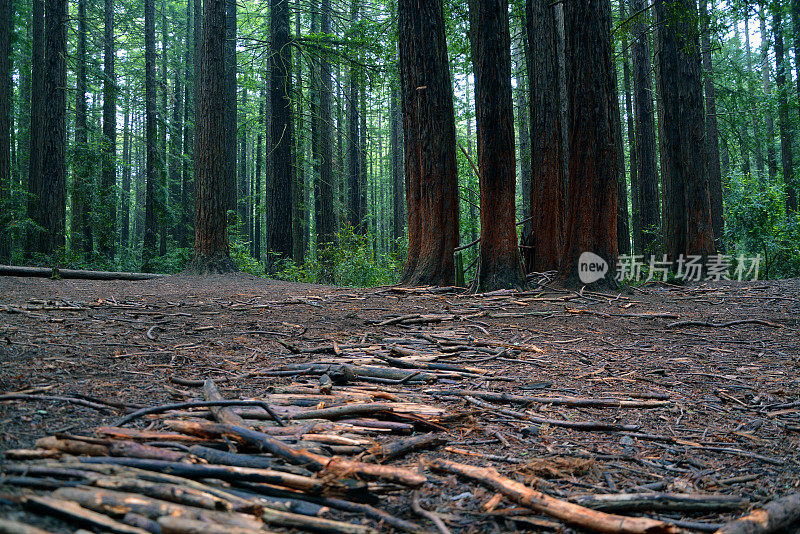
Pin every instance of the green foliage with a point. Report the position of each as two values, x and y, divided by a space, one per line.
240 254
756 224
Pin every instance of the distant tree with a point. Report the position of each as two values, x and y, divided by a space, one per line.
5 122
591 219
636 214
35 185
544 242
324 187
499 263
230 103
784 124
81 193
430 144
108 189
151 152
211 254
687 211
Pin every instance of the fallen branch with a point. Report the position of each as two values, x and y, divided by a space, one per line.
660 501
79 515
561 401
435 519
772 517
222 414
15 527
563 510
52 272
197 404
70 400
722 325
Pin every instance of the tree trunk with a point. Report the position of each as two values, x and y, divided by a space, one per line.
229 46
712 134
785 127
258 182
325 220
705 40
623 222
499 263
80 219
190 81
687 218
430 144
363 226
645 145
279 240
211 230
471 178
151 173
35 186
544 243
175 144
125 204
108 183
6 107
162 195
398 193
242 195
51 205
298 178
772 165
593 160
636 214
353 159
523 115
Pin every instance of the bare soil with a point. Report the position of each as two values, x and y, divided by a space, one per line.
732 425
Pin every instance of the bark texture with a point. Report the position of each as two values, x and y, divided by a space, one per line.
5 122
784 125
151 155
108 183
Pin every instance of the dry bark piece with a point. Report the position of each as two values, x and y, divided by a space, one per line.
401 447
563 510
179 525
71 446
660 501
31 454
15 527
77 514
772 517
222 414
131 449
167 492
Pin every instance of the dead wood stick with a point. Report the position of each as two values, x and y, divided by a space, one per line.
222 472
222 414
345 411
79 515
70 400
72 446
401 447
117 502
198 404
166 492
435 519
48 272
179 525
15 527
561 401
215 456
722 325
31 454
660 501
131 449
563 510
772 517
316 462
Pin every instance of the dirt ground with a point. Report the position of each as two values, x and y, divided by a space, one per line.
732 424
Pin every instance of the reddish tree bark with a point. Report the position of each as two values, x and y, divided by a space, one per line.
593 160
784 126
544 243
211 225
499 263
108 190
687 210
151 155
5 121
430 144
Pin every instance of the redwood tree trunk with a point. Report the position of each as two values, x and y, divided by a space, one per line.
785 127
353 160
645 145
125 204
191 73
325 220
108 183
211 232
51 205
712 133
687 217
398 193
772 165
544 244
279 212
37 119
258 182
80 220
229 46
636 215
151 156
499 264
593 159
5 123
430 144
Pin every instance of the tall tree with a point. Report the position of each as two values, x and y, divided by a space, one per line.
151 151
430 144
636 215
784 125
772 165
520 55
279 204
499 263
544 244
125 199
242 195
593 160
35 186
712 131
396 161
687 213
6 107
190 80
645 144
258 183
230 102
211 252
325 215
108 182
354 214
175 145
80 220
51 206
162 193
623 221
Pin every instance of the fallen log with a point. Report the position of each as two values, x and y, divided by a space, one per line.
772 517
53 272
131 449
179 525
401 447
15 527
77 514
604 402
345 411
166 492
197 404
563 510
660 501
222 414
71 446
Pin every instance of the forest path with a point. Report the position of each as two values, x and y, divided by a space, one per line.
725 414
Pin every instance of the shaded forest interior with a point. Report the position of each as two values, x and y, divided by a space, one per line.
364 143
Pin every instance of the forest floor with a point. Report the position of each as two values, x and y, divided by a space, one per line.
674 399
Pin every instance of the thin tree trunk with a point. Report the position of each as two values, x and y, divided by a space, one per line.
230 104
80 225
162 195
35 186
125 204
211 233
363 227
324 195
782 77
279 240
635 216
6 16
687 217
353 159
187 182
645 144
175 144
523 115
471 178
499 263
51 206
705 42
298 178
772 165
398 193
258 182
242 195
24 120
712 133
430 144
108 183
623 222
152 170
544 244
